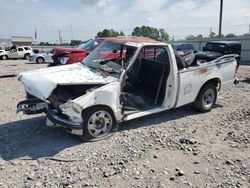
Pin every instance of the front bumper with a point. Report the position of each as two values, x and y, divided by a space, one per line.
57 118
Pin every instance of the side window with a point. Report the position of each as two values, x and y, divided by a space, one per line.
20 49
155 54
26 48
161 55
149 53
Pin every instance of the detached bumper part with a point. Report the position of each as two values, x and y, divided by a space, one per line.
31 106
54 116
236 81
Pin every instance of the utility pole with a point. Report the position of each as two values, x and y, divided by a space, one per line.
71 29
249 30
220 23
60 37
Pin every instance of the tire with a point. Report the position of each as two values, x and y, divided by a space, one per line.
4 57
40 60
206 98
98 122
26 56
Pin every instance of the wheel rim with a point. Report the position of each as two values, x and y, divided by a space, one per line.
100 124
26 57
40 60
208 98
4 57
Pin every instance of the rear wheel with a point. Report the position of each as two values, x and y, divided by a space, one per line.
4 57
26 56
206 98
98 122
40 60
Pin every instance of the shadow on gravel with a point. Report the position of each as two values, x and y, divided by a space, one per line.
30 138
246 80
162 117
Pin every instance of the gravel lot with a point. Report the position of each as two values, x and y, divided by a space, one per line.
178 148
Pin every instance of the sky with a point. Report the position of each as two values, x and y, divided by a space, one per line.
82 19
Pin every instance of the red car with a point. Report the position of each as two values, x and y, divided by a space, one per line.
63 56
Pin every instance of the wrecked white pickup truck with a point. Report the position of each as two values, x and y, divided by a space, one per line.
123 79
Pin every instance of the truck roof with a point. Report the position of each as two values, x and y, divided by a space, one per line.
135 40
225 42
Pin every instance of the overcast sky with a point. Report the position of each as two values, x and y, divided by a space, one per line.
178 17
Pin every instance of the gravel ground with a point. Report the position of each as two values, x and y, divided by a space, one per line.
178 148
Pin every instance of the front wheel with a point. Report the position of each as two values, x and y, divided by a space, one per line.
39 60
98 122
206 98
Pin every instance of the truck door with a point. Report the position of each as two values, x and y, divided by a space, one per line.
13 53
20 52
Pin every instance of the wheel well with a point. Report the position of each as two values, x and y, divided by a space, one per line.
215 81
100 106
26 54
40 57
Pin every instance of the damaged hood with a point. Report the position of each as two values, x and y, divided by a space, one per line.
42 82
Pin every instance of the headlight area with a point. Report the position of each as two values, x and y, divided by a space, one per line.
63 60
61 100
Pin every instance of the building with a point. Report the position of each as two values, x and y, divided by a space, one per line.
21 41
4 43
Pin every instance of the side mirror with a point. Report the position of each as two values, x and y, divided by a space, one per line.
86 54
115 51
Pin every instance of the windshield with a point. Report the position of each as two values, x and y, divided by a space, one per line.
89 45
216 47
110 58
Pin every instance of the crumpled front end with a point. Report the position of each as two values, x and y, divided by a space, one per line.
57 86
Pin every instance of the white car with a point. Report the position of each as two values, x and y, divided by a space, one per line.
122 79
45 57
20 52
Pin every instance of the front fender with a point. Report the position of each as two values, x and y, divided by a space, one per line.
107 95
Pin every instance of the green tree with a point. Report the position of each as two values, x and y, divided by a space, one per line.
212 35
199 37
164 36
230 35
109 33
154 33
75 42
190 37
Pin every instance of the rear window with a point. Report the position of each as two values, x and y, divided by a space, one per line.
26 48
217 47
186 47
20 49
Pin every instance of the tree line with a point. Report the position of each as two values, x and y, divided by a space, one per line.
146 31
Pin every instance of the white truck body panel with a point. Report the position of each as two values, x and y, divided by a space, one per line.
193 78
182 87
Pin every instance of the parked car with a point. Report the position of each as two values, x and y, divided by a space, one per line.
63 56
45 57
216 49
184 48
143 77
20 52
